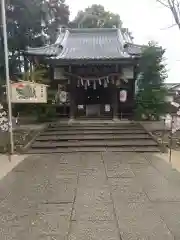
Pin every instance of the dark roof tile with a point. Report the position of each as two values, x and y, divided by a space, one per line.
91 43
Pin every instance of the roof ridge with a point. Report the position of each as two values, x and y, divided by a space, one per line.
79 30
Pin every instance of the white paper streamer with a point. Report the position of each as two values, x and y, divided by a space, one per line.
94 85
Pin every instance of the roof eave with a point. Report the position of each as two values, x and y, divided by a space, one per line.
92 61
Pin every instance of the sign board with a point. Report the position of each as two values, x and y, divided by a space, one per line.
107 108
80 107
28 92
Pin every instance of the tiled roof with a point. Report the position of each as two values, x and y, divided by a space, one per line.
49 50
134 49
76 44
93 44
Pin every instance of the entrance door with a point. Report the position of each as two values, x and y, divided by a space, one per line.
93 102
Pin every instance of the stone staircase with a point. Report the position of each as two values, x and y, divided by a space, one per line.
93 137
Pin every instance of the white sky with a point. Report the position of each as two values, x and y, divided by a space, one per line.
146 19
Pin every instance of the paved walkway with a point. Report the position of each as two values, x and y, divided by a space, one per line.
90 196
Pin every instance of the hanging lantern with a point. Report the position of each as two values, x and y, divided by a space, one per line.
123 96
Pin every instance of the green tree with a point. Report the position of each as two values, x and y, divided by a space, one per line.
56 14
151 92
30 23
96 16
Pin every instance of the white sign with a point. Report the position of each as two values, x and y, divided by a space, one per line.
107 108
28 92
80 107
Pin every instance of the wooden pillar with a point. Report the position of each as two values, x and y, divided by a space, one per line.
115 97
114 102
72 98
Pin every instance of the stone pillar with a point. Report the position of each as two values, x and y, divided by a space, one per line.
72 99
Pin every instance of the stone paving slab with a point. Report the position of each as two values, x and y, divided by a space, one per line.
127 190
170 213
139 221
84 230
156 186
117 196
119 171
93 195
93 212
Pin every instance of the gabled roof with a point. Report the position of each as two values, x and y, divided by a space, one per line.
91 43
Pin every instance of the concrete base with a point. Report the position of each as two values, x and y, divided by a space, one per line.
9 162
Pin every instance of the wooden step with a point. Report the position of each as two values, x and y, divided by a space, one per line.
107 143
93 137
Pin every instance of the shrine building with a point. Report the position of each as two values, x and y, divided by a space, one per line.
93 72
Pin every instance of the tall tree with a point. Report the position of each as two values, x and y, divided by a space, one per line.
30 23
96 16
174 7
151 91
56 14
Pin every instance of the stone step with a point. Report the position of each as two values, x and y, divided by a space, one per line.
73 128
106 143
101 131
98 124
93 137
140 149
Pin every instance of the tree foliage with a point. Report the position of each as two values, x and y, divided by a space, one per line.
151 91
96 16
30 23
174 7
